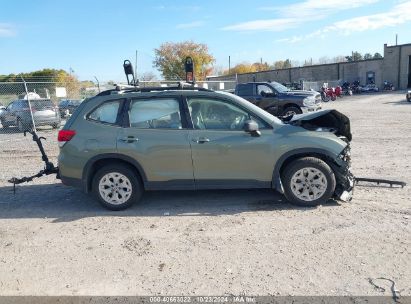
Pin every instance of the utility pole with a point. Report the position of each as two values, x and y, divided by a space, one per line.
229 65
396 39
135 69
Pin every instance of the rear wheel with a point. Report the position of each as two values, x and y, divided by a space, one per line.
308 181
4 125
55 126
289 111
116 187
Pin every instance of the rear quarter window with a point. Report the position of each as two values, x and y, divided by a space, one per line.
106 112
245 89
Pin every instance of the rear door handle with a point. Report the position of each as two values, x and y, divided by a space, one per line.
129 139
201 140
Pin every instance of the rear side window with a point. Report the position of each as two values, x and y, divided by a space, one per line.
106 113
161 113
245 89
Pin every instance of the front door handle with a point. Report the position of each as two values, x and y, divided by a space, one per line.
201 140
129 139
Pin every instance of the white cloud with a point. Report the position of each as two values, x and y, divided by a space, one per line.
314 8
264 25
399 14
7 30
190 25
298 13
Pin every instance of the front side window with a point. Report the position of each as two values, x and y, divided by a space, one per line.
212 114
263 88
106 113
161 113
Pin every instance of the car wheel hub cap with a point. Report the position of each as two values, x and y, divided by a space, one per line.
308 184
115 188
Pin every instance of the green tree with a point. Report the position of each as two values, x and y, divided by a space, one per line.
354 57
367 56
377 56
170 56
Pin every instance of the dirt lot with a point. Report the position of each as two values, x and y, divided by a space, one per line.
55 240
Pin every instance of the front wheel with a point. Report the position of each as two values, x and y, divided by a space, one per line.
116 187
325 97
290 111
22 127
308 181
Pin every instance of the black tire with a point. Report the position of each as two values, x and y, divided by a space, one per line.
409 99
291 111
136 186
325 97
55 126
22 126
4 125
308 162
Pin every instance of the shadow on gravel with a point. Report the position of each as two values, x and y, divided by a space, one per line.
65 204
398 103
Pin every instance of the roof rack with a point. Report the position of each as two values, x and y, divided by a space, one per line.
129 89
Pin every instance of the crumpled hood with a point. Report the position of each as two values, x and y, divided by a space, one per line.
331 120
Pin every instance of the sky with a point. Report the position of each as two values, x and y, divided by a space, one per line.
93 37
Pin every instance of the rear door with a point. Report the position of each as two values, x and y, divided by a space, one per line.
156 136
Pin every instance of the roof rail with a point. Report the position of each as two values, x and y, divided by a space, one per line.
129 89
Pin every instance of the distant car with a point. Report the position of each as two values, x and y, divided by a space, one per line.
67 106
18 114
369 88
408 96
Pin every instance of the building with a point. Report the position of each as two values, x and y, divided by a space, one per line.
394 67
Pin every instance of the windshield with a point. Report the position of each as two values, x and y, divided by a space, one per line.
279 87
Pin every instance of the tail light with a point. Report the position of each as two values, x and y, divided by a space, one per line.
65 136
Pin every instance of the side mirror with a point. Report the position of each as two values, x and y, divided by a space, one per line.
250 126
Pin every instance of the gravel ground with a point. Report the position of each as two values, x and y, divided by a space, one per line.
54 240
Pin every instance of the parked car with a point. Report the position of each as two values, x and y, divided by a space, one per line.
277 99
18 114
119 144
67 106
408 96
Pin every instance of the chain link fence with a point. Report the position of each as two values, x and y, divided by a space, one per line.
44 106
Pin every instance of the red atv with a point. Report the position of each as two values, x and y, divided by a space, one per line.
327 94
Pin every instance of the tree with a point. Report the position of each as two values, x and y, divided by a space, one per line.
170 56
377 56
367 56
259 66
281 64
354 57
242 68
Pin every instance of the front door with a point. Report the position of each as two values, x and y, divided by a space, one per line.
157 139
224 156
267 99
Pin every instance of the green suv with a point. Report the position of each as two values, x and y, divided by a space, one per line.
123 142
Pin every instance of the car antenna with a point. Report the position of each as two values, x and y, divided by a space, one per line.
128 70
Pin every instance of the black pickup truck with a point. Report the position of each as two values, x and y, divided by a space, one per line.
278 99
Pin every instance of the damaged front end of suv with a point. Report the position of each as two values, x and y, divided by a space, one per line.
337 123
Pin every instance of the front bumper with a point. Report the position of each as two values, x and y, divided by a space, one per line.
344 178
311 109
